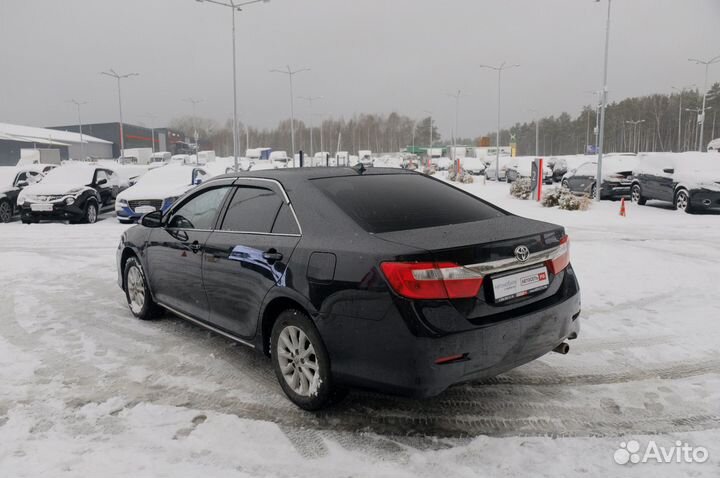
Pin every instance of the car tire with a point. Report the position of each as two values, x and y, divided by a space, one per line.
636 195
301 362
565 184
682 201
6 211
137 291
91 212
593 191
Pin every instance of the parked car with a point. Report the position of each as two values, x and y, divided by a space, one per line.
13 179
157 190
690 181
442 163
439 287
617 178
490 169
74 192
522 168
474 166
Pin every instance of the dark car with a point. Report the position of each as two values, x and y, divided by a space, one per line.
14 179
72 192
617 178
689 181
382 278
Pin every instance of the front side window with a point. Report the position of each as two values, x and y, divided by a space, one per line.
252 209
200 211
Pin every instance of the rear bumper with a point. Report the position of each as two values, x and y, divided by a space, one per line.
705 200
384 355
615 190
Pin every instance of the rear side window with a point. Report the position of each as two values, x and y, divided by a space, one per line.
252 210
285 222
398 202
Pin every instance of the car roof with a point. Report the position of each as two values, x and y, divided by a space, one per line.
295 175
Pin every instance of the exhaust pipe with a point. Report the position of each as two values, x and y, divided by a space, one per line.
563 348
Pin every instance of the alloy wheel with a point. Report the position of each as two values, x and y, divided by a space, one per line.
682 201
635 194
92 213
298 361
135 289
5 211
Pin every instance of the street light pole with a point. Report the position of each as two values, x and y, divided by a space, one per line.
194 102
537 133
680 91
499 70
234 7
152 129
290 73
701 116
311 100
78 104
604 98
119 77
457 97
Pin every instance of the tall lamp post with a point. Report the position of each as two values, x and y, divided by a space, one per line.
681 91
537 132
431 131
457 97
152 118
311 100
636 127
78 104
234 7
290 73
194 102
701 116
603 98
503 66
119 77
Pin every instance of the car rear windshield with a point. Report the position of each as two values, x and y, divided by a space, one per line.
398 202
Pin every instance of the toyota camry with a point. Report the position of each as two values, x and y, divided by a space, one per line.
382 279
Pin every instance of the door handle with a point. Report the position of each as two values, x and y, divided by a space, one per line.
272 255
195 247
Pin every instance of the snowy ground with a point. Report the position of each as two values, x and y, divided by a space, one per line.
86 390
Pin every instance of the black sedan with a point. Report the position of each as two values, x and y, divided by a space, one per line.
382 278
617 178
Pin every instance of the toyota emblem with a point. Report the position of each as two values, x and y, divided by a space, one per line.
522 253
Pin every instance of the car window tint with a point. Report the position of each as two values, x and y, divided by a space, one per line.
252 209
200 211
398 202
285 222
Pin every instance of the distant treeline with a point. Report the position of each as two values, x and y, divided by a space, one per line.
657 130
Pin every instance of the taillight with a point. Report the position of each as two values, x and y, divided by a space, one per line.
432 280
561 258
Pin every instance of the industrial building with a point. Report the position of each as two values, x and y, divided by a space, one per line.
14 138
160 139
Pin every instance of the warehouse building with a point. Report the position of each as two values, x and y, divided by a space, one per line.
160 139
15 138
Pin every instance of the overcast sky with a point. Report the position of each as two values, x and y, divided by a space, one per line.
372 56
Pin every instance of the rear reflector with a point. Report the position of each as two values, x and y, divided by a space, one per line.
561 258
450 359
432 280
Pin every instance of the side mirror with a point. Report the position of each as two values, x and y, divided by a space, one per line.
101 182
152 220
669 170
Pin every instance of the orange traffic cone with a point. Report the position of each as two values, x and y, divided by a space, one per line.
623 212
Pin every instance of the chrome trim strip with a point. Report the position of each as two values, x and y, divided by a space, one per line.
501 265
207 326
284 193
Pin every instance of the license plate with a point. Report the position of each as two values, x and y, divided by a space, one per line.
41 207
520 284
144 209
